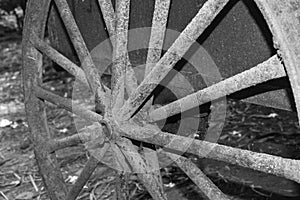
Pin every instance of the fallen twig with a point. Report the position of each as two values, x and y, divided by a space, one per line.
33 183
3 195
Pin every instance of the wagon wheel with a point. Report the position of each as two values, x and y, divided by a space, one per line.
123 118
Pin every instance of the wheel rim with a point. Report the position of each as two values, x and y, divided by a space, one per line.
39 129
117 113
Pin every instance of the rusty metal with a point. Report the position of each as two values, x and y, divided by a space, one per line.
158 29
109 16
283 21
83 53
268 70
35 108
131 81
283 167
145 174
262 162
208 188
119 54
60 59
57 57
85 135
123 74
110 21
84 176
285 27
193 30
67 104
69 141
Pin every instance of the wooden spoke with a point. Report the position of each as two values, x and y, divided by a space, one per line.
146 174
120 53
109 16
275 165
82 51
83 178
159 25
131 80
208 188
67 142
67 104
194 29
35 109
60 59
117 128
110 21
270 69
85 135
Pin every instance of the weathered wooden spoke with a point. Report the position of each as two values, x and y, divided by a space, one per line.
285 39
268 70
67 104
194 29
153 180
69 141
279 166
83 178
117 123
131 80
158 30
82 52
110 21
120 52
60 59
73 30
85 135
146 174
208 188
123 75
35 109
109 16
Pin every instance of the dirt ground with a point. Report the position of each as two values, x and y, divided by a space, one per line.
247 126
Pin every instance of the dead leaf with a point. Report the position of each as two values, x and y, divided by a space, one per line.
5 123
